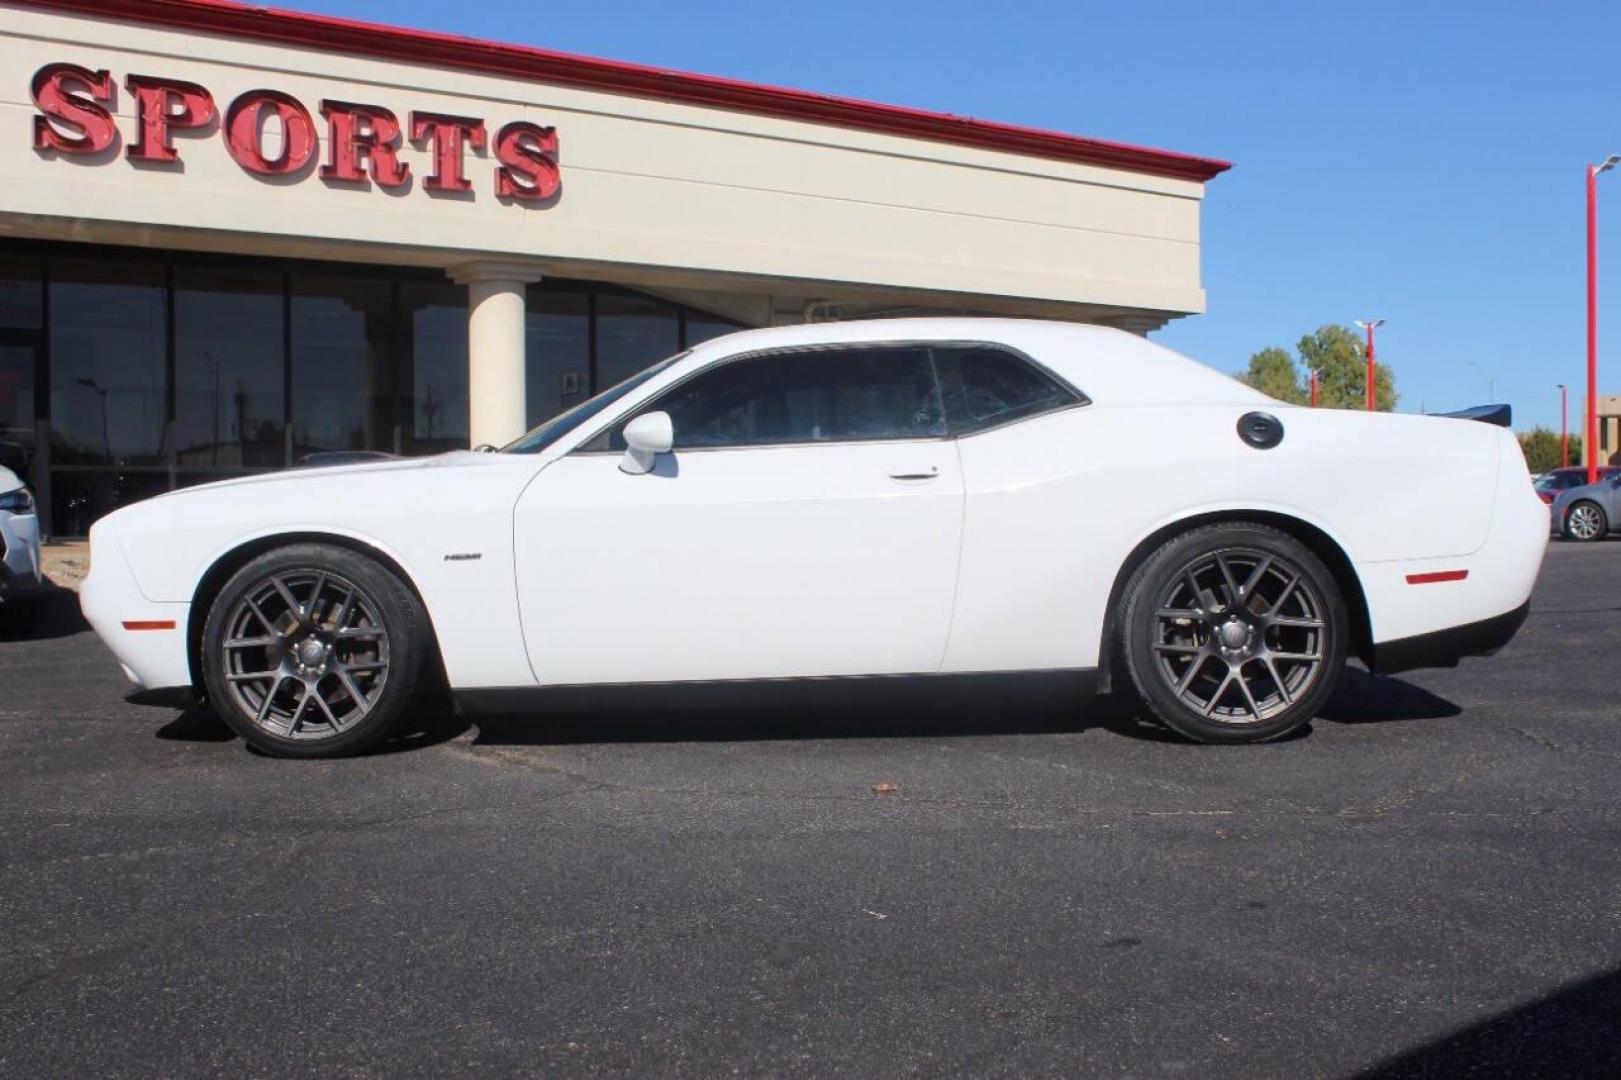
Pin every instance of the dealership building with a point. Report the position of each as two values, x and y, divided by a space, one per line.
231 237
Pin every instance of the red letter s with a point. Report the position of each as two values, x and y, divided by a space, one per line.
528 156
88 121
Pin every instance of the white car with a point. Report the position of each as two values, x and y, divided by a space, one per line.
20 576
901 497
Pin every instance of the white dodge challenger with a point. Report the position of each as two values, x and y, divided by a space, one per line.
899 497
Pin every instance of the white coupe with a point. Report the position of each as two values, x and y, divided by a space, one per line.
900 497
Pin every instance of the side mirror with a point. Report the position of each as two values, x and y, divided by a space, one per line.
646 437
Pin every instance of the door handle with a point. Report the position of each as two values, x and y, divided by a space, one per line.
932 473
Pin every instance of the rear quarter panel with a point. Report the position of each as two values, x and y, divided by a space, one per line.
1054 506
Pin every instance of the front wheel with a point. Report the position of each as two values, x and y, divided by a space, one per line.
313 650
1234 633
1585 521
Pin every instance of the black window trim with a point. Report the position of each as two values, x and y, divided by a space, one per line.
928 345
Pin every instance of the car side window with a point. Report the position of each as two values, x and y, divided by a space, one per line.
987 386
843 394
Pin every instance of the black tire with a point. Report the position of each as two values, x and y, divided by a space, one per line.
324 664
1601 522
1218 671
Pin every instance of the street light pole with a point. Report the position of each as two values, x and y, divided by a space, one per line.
1491 383
1370 326
1590 446
1564 431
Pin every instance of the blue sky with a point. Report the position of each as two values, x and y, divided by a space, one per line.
1418 161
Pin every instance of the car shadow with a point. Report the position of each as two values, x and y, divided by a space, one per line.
55 614
199 724
1364 698
889 707
899 707
812 709
1569 1032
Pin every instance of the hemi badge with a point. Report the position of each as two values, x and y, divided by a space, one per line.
1438 575
148 624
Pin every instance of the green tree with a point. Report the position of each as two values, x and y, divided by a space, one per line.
1336 353
1541 447
1272 371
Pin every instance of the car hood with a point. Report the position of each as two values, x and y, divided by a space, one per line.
8 481
331 472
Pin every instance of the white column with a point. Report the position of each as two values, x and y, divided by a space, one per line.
495 348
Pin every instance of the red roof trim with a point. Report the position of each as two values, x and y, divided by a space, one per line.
542 65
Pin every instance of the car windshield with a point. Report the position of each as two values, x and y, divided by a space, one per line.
563 423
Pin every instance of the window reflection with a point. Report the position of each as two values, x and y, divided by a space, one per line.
557 351
702 326
22 300
341 354
830 395
16 397
437 317
108 384
633 332
229 401
80 496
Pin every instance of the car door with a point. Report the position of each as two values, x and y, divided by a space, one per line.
806 523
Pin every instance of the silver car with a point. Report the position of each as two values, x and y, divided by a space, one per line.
1589 512
20 577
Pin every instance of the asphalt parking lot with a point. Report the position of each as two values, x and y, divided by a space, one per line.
1425 882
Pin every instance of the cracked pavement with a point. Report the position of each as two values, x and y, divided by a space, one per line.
704 881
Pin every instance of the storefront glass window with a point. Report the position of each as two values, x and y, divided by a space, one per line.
342 343
16 402
229 398
108 381
22 300
557 351
80 496
633 332
437 318
702 326
271 361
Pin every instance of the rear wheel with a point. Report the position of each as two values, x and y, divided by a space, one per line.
1234 633
1585 521
314 651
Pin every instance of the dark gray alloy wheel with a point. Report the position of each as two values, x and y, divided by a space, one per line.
1235 633
1585 522
313 651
